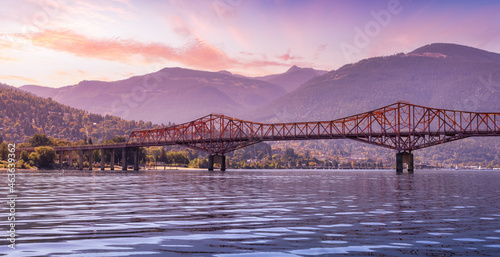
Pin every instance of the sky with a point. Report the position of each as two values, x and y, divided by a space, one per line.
56 43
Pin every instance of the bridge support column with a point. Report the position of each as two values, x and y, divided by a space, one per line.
212 159
112 161
223 163
124 158
80 160
70 161
401 159
411 167
61 159
91 159
136 158
102 159
210 162
399 163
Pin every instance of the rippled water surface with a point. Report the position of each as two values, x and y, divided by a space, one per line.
256 213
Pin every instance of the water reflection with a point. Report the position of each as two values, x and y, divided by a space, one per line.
256 213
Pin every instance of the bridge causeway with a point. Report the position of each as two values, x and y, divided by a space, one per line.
401 126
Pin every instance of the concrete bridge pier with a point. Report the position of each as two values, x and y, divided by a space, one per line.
124 158
112 161
136 158
91 159
80 160
61 159
401 159
210 163
102 159
212 159
70 161
222 163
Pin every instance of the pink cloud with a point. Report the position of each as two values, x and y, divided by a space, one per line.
179 26
286 57
198 54
204 55
9 41
265 63
21 78
321 48
246 53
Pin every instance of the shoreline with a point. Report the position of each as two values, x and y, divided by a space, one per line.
205 169
108 169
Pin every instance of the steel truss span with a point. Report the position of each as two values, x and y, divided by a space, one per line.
401 126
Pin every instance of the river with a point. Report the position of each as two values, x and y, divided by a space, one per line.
255 213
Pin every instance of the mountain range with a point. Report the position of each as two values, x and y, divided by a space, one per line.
292 78
437 75
175 94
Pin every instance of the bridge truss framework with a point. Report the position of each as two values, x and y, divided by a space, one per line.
402 126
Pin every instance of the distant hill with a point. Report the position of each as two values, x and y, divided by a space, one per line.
45 92
458 52
23 114
5 86
169 95
437 75
293 77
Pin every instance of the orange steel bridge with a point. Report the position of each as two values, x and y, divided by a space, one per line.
402 126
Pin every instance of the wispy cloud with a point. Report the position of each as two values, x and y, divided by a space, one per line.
106 6
197 54
321 48
287 56
9 41
21 78
179 26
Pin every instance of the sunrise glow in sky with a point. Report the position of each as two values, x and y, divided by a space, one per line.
61 42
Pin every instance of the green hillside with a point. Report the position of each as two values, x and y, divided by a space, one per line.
22 115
